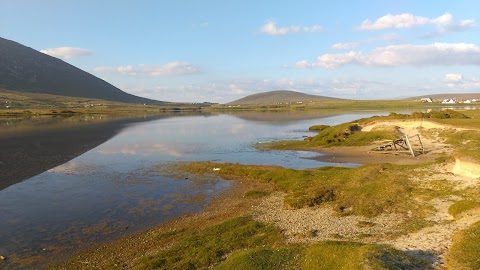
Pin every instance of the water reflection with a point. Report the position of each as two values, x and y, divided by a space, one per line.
111 190
32 145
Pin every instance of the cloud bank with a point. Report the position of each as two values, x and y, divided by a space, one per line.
445 23
67 52
400 55
168 69
458 82
271 28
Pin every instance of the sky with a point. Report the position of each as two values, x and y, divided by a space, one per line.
219 51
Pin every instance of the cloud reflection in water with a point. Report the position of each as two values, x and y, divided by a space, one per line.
173 150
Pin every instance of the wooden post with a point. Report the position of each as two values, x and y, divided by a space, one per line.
409 145
421 144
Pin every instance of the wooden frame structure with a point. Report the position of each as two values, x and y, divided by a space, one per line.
403 144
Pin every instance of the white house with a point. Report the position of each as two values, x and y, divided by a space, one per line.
429 100
449 101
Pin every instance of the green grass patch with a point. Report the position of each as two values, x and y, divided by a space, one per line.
465 142
323 256
203 248
348 134
351 134
264 258
256 194
318 127
242 243
462 206
443 114
368 190
348 255
465 250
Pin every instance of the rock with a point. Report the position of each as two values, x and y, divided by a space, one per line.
2 258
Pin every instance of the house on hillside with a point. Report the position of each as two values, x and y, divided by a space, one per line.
449 101
426 100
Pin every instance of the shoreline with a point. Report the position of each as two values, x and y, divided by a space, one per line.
228 204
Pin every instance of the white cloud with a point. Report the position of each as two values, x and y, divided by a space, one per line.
343 46
453 77
457 81
406 54
67 52
405 20
352 45
271 28
303 64
312 29
445 23
149 149
236 89
168 69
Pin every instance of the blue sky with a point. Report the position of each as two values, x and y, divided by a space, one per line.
219 51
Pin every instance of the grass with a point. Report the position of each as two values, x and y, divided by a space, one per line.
264 258
462 206
241 243
348 134
256 194
348 255
368 190
351 135
465 251
31 104
324 255
203 248
465 142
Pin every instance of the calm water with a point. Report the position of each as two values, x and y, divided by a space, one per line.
111 190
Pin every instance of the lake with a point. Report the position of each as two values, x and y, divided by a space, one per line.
111 189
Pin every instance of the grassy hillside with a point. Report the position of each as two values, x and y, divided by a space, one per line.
27 70
280 96
25 103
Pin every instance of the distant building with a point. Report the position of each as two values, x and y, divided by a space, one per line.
449 101
426 100
467 101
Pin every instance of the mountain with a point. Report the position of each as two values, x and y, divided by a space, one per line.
461 96
24 69
280 96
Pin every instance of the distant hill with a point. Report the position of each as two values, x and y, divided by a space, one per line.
280 96
24 69
462 96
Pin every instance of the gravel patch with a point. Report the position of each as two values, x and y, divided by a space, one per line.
321 222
